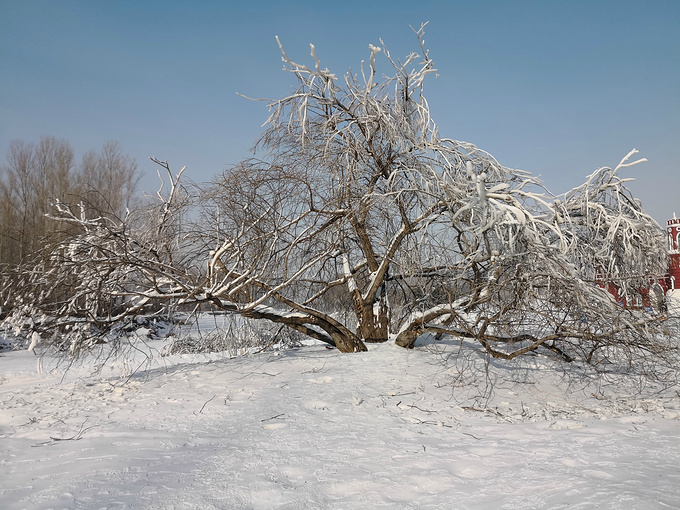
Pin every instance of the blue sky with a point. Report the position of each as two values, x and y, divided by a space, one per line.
558 88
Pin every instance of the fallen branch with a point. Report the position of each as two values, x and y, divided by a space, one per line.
76 437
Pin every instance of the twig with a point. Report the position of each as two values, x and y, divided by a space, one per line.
206 403
423 422
273 417
492 411
423 410
472 436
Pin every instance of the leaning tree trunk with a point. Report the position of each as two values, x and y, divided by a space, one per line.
335 334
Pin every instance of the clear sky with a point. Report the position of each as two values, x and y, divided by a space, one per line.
558 88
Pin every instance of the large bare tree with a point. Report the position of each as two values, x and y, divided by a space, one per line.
360 223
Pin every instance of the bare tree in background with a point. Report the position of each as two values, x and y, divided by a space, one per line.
107 180
35 178
359 205
37 175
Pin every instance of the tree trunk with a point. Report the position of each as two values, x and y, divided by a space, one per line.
407 339
346 343
374 327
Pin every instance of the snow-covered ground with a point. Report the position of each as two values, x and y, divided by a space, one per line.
313 428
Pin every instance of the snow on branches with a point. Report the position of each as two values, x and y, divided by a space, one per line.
361 223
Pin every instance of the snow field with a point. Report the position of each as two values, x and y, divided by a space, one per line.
312 428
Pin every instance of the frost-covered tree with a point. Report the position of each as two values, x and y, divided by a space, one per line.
361 223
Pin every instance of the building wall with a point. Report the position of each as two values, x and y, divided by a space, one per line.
673 229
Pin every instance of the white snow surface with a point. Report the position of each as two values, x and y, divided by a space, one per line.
311 428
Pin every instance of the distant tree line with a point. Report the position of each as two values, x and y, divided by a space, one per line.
36 176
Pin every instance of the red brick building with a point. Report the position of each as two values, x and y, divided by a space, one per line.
672 282
673 277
